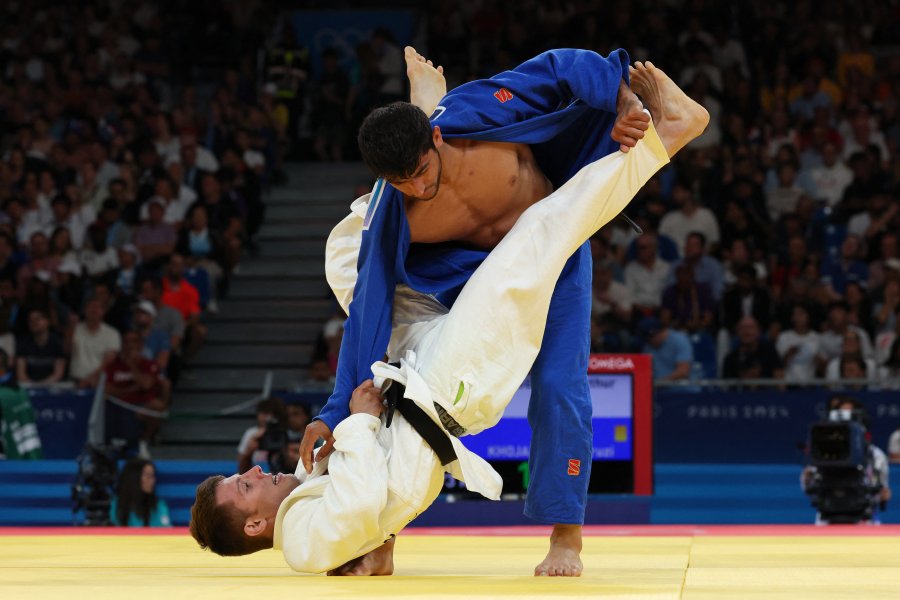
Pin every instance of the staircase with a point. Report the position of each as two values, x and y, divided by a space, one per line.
269 322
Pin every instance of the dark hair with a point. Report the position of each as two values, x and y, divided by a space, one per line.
273 406
700 236
131 498
220 527
393 138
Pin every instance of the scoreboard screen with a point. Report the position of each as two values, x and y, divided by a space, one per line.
621 398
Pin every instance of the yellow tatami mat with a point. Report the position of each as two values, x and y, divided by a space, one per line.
169 567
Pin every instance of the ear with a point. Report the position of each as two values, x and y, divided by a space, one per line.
254 527
436 137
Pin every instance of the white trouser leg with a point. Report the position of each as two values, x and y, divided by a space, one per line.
478 356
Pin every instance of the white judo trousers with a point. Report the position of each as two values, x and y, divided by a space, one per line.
471 359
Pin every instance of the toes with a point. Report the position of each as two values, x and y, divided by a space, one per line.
540 571
440 69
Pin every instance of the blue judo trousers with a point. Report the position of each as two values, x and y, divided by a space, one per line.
561 103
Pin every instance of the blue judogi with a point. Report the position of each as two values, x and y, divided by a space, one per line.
563 104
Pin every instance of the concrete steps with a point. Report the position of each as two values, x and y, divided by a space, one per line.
276 305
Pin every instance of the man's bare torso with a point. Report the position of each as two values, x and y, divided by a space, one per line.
479 202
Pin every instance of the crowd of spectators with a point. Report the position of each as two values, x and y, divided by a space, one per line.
133 163
770 243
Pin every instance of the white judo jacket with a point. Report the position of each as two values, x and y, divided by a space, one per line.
378 479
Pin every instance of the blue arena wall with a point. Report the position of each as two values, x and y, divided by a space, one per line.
39 493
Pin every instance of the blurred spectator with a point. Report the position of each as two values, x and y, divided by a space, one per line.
686 304
328 345
886 312
645 276
859 307
168 319
287 67
155 239
135 380
754 357
835 330
183 297
222 217
268 410
848 266
887 263
875 220
155 343
329 108
799 347
832 177
125 276
202 247
851 356
791 265
298 417
40 356
94 345
391 66
746 299
97 258
135 503
706 270
690 217
785 195
611 299
671 350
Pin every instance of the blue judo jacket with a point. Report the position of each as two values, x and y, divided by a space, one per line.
562 103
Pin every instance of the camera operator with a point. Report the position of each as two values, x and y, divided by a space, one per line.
829 487
268 410
275 439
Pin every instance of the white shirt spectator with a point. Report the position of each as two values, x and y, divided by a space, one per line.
618 293
678 225
175 210
802 365
254 158
646 285
833 370
859 223
98 263
206 160
90 347
782 200
831 182
832 343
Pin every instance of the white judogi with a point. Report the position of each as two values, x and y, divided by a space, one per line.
470 360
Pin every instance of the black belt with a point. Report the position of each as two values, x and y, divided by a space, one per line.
430 431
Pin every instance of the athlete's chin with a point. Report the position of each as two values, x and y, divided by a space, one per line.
432 196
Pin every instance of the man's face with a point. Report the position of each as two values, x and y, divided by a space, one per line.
425 181
693 247
255 493
748 332
38 323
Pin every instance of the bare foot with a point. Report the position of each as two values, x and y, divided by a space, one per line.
564 557
678 119
426 83
379 561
